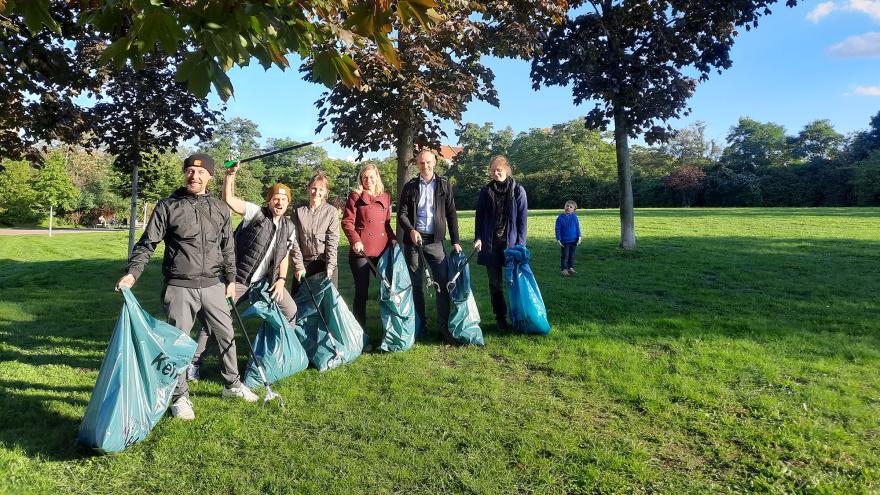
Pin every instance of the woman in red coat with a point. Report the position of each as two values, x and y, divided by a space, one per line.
366 222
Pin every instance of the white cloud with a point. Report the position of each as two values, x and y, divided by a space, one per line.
867 90
821 10
870 7
863 45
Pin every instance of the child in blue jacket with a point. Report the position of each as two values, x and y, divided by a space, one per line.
568 236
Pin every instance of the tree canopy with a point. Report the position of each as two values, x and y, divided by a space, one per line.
636 61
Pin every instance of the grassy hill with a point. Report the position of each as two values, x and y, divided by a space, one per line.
736 351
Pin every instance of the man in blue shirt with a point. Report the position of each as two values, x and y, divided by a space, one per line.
426 208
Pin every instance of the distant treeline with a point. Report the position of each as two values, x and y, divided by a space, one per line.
761 165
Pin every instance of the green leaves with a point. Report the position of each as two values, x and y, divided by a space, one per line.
35 13
158 26
329 65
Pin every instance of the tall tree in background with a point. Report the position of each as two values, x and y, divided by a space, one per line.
818 139
469 168
756 146
634 60
53 186
440 73
145 112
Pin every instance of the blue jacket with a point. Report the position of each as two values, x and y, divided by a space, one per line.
517 224
568 228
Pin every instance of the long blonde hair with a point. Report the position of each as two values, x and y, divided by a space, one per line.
359 188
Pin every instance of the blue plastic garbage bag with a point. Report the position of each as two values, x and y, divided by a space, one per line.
136 379
343 341
527 311
464 317
276 344
396 307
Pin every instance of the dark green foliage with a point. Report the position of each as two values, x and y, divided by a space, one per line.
867 181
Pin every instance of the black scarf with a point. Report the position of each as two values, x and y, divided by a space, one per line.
500 193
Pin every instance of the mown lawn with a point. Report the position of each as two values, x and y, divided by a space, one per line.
736 351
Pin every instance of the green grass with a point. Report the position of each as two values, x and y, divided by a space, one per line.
736 351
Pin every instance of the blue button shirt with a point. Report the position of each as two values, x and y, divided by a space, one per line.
425 209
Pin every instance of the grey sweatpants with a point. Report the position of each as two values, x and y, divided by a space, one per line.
183 305
288 309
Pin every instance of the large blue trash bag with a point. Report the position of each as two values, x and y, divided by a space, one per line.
464 317
527 311
136 380
396 307
276 344
343 341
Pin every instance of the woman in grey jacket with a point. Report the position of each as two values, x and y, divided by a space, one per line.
317 234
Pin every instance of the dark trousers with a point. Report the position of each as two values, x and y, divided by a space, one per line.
495 270
362 273
435 256
313 267
567 250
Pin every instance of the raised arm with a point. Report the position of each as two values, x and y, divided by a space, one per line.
235 203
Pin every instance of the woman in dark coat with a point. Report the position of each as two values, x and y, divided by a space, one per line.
501 223
366 222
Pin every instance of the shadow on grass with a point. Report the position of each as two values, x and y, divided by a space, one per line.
31 423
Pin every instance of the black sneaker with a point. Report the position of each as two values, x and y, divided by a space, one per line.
502 325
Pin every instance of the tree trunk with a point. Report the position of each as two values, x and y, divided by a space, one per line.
132 217
624 181
51 217
145 213
404 136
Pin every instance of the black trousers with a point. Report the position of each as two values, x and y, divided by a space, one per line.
495 270
362 273
435 255
313 267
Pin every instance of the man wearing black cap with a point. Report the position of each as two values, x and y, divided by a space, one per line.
199 269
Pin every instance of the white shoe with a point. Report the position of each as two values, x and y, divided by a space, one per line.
182 408
241 392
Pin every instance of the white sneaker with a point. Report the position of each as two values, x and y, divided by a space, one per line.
241 392
182 408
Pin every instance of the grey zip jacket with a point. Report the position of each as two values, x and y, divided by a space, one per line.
199 251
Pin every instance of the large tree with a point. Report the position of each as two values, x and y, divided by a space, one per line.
640 62
145 112
441 72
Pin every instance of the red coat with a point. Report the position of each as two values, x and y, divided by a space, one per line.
367 219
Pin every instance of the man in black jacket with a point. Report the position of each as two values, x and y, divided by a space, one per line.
426 209
199 269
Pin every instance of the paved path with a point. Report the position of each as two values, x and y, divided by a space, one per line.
55 231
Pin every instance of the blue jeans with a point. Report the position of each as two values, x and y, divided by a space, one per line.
568 249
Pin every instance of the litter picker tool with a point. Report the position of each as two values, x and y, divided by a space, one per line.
451 284
429 280
395 296
230 163
270 394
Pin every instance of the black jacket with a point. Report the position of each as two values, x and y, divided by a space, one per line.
444 210
198 241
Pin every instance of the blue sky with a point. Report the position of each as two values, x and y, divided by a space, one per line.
816 61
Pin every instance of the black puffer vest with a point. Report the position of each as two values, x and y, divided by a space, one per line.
252 241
